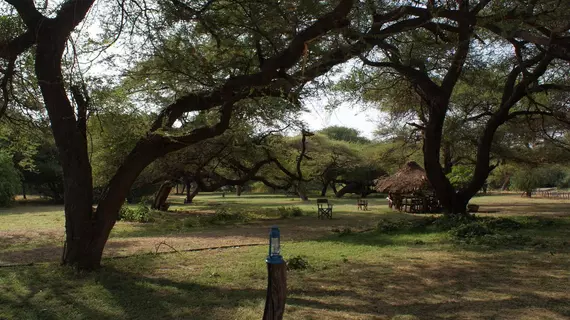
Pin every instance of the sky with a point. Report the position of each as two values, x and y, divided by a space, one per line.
346 115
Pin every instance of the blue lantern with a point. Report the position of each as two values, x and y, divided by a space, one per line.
274 256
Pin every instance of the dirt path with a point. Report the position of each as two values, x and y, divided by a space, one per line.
299 229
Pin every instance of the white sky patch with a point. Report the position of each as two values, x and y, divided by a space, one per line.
347 115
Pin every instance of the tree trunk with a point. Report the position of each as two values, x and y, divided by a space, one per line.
144 153
190 195
161 196
239 190
447 162
302 195
324 190
71 143
301 191
528 193
452 202
506 184
24 190
352 187
333 187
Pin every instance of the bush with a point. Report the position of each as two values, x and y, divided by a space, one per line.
490 232
9 180
224 215
286 212
469 231
503 224
140 213
416 225
446 223
298 263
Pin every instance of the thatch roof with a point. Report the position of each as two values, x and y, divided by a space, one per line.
409 179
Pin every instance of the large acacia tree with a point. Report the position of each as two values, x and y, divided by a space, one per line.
269 73
522 48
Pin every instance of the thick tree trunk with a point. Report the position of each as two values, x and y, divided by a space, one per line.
528 193
301 191
447 159
324 190
333 187
190 194
71 142
453 203
24 190
144 153
161 196
239 190
348 188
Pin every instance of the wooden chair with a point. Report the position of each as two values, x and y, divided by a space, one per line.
324 209
362 204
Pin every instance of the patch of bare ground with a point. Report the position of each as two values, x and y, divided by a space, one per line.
306 228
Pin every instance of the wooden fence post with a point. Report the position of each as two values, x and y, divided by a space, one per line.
276 291
276 279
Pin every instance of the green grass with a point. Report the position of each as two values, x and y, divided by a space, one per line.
356 275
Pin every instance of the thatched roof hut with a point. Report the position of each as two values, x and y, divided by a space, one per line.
411 178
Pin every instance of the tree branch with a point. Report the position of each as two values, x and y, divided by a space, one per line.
28 12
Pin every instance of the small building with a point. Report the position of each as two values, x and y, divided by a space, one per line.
409 190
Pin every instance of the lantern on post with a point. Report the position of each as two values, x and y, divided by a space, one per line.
276 278
274 256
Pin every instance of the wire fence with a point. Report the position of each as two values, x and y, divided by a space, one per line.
551 194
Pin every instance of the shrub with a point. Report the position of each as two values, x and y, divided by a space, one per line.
417 225
140 213
224 215
446 223
298 263
503 224
467 232
286 212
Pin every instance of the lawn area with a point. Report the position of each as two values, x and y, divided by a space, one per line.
354 272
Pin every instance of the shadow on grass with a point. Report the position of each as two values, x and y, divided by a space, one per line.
59 293
425 284
537 233
478 288
48 253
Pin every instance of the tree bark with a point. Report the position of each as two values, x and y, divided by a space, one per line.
87 232
333 187
190 195
239 190
528 193
161 196
447 157
506 184
72 146
324 190
301 191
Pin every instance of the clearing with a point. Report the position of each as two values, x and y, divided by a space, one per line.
354 272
